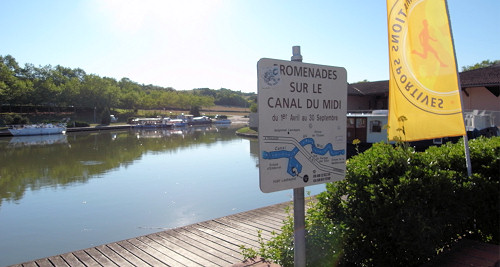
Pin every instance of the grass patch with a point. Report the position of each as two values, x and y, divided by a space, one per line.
246 130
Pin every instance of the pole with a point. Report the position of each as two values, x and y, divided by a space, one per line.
466 139
299 226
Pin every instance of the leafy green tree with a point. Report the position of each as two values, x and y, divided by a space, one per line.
482 64
195 111
61 86
105 117
253 108
13 90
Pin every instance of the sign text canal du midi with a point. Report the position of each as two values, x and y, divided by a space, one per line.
302 110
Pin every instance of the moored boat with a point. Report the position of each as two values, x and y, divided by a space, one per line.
178 122
151 123
221 119
200 120
37 129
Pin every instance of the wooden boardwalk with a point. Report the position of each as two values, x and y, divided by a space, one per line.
216 243
211 243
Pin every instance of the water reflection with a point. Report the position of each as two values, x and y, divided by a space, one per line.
102 187
34 140
34 162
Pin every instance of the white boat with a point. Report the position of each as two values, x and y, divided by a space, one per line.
37 129
177 122
221 119
151 123
192 120
199 120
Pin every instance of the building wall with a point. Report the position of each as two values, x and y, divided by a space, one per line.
480 98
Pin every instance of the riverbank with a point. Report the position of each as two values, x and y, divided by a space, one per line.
6 133
235 119
247 132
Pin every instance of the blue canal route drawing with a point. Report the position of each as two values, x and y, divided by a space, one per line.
294 167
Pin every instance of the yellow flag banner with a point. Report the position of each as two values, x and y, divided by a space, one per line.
424 96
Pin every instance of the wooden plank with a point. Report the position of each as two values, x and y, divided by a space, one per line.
44 263
273 226
243 227
255 225
274 213
159 252
240 235
85 258
272 217
196 248
57 261
277 216
278 209
127 255
99 257
113 256
182 255
72 260
150 260
235 240
209 245
231 249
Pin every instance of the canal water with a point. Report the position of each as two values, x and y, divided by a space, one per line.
68 192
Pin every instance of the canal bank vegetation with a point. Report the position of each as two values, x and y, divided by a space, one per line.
399 207
60 90
246 131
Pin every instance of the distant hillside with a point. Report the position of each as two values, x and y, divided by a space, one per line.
62 87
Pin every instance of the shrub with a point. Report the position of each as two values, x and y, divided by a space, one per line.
15 120
195 111
481 191
323 241
72 124
400 207
397 207
105 117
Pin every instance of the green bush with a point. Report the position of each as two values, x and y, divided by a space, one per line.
73 124
15 120
106 117
481 192
398 207
323 241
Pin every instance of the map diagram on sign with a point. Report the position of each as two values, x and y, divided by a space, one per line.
294 167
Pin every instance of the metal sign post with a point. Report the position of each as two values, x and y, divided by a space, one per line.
299 215
302 131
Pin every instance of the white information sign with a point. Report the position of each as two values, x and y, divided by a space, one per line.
302 124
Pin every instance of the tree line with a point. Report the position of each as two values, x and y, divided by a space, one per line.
66 87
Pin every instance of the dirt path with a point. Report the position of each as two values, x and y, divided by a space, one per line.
238 119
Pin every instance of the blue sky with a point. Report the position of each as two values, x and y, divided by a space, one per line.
188 44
